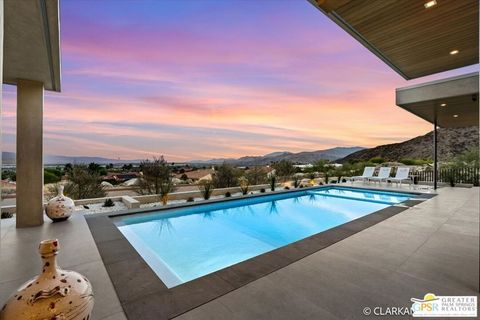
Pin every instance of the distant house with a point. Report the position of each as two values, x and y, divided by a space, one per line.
303 166
120 177
198 175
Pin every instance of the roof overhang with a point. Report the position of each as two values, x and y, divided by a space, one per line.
32 42
413 40
453 102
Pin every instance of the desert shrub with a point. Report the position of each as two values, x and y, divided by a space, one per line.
262 190
273 182
470 157
296 182
9 174
414 162
190 199
377 160
326 177
184 177
206 188
287 188
228 194
50 177
108 203
166 188
244 185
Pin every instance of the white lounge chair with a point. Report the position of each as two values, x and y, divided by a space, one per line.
401 175
367 173
383 175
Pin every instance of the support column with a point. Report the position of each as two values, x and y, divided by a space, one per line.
29 153
435 160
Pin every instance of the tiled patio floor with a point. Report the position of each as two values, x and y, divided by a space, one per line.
432 247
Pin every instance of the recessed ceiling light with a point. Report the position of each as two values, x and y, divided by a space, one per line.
430 4
443 105
455 115
454 52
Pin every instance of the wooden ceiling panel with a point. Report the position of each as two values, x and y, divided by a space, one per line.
414 40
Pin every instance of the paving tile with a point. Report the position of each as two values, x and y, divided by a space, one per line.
116 250
452 271
462 227
106 301
117 316
209 311
269 299
158 306
129 278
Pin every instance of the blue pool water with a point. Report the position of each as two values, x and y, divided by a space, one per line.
183 244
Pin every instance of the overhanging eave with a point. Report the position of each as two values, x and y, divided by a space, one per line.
451 102
32 42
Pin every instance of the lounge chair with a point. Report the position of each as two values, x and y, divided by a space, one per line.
367 173
401 175
383 175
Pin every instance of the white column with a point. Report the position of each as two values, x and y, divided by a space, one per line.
29 153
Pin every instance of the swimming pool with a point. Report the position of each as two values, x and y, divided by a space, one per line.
183 244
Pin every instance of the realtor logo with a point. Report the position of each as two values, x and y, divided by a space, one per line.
444 306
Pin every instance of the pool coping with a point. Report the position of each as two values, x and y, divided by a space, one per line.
144 296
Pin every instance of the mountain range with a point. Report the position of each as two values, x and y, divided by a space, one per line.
8 158
300 157
451 141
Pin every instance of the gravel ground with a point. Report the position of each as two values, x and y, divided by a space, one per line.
99 208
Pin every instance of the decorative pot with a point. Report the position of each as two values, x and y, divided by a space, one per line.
60 207
55 294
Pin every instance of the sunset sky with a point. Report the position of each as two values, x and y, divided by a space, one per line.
207 79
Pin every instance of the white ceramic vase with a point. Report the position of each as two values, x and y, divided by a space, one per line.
60 207
54 294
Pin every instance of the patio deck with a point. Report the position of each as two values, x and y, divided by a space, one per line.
432 247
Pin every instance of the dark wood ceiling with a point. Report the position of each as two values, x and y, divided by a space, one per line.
413 40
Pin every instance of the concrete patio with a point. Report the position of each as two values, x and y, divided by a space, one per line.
432 247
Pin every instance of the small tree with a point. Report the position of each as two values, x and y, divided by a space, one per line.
244 185
225 176
284 169
68 168
84 184
206 188
154 174
256 175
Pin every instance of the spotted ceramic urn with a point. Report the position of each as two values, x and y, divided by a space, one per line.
55 294
60 207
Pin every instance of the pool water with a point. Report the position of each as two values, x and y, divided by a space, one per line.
183 244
